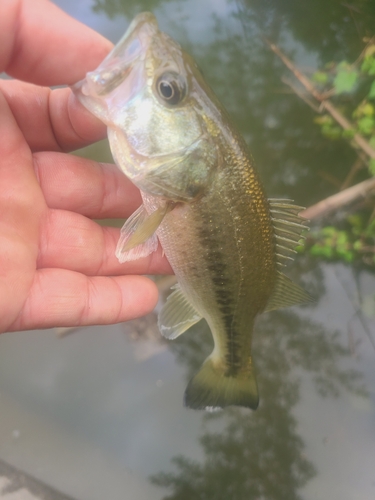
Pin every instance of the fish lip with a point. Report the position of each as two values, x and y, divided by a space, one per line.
113 70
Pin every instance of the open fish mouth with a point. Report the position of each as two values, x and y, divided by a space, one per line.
121 75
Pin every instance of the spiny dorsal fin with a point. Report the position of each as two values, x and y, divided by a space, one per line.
286 293
288 227
177 315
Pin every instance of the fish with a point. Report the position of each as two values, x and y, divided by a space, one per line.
203 201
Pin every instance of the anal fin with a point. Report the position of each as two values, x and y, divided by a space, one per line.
177 315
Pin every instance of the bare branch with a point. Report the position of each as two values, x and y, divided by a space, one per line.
340 199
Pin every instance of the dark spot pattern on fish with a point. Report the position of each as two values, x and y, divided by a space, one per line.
217 268
221 281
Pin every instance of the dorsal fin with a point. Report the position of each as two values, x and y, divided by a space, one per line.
288 227
286 293
177 315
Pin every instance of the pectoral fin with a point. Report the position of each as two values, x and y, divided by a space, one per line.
177 315
286 294
138 238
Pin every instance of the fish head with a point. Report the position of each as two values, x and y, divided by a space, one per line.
160 119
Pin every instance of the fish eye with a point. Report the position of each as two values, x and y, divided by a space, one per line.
171 88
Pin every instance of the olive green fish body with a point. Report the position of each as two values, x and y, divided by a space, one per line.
202 200
222 249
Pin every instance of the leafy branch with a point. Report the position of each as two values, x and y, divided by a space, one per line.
351 118
344 78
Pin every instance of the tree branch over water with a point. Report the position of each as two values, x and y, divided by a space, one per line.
321 98
340 199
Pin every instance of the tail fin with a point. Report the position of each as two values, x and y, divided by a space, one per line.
212 388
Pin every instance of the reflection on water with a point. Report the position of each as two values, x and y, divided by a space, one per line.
262 454
111 398
115 8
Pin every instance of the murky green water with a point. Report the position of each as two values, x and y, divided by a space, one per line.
99 414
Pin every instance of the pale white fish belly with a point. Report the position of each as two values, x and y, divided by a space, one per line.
178 238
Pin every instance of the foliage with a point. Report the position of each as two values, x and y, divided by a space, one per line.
354 241
287 146
262 455
353 87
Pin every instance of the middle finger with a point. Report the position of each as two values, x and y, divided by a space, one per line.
71 241
96 190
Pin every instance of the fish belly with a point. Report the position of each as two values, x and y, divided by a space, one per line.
221 249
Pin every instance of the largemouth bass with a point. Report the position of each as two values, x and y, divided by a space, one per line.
202 198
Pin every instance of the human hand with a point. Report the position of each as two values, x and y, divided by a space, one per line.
57 266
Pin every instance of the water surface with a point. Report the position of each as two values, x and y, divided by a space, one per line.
99 413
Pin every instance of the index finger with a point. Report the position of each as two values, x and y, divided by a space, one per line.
42 44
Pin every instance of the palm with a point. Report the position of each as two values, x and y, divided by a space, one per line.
57 266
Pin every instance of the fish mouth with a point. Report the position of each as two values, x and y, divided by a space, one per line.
123 67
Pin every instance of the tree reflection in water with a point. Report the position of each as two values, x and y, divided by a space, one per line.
260 454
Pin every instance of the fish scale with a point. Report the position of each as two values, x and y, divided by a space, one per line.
227 297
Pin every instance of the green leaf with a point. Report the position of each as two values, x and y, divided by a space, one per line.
331 131
323 120
345 80
372 141
371 94
320 77
355 221
300 248
364 109
357 245
329 231
320 251
367 109
366 125
368 65
342 239
347 255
